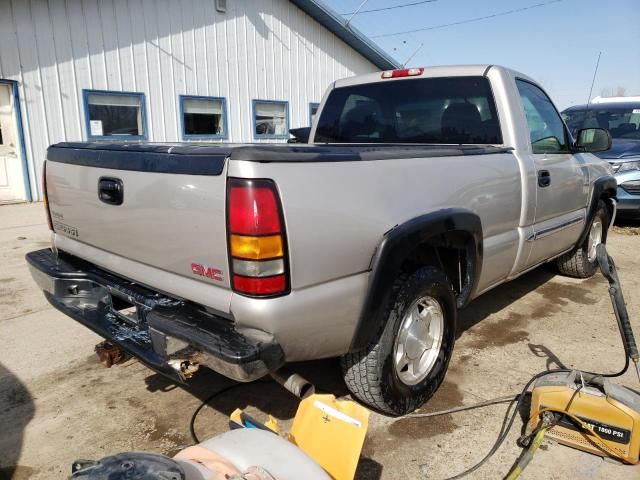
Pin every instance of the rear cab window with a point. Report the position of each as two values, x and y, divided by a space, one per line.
449 110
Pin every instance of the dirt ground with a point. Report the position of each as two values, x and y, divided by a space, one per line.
58 404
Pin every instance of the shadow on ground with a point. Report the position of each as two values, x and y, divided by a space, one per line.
16 411
265 394
502 296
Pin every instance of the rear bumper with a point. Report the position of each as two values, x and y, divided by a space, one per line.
158 330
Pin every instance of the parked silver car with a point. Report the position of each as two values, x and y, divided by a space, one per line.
622 119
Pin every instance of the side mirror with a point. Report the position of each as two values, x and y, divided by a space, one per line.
300 135
593 140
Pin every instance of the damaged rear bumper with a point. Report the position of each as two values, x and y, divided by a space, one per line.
160 331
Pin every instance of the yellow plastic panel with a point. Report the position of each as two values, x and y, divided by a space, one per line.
331 432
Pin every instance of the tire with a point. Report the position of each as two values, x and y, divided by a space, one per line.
579 263
372 374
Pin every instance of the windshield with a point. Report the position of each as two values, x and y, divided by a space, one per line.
621 122
455 110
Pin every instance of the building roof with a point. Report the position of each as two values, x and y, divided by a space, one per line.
333 22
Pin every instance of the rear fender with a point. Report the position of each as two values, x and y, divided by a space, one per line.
395 248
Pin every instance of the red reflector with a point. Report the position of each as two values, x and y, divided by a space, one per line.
253 208
260 286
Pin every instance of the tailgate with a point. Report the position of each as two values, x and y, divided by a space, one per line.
170 217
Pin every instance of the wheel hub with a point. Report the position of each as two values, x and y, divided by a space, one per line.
419 340
595 239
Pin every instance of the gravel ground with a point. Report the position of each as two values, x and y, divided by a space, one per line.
57 403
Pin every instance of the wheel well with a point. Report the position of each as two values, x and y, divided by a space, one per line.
605 196
454 253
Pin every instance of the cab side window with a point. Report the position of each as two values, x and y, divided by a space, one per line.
546 129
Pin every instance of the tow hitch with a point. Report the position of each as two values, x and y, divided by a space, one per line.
110 354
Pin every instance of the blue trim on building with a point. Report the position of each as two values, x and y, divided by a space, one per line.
15 92
185 135
312 105
336 24
143 111
253 118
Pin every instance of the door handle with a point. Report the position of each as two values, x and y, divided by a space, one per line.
111 190
544 178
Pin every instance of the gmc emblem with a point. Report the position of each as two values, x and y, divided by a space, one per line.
203 271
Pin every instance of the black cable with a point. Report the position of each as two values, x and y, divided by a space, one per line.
463 408
505 431
204 403
469 20
412 4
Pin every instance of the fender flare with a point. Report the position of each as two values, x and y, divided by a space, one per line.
603 186
395 247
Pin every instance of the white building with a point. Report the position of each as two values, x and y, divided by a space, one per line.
163 70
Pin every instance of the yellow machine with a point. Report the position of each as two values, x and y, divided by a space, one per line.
606 417
587 411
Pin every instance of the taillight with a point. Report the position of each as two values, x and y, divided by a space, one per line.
45 197
257 243
403 72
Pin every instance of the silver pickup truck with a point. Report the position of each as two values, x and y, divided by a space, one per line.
416 191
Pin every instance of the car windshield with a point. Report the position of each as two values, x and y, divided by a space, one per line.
456 110
621 122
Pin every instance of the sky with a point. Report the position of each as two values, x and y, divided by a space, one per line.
557 44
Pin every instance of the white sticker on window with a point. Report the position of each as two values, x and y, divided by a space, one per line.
95 128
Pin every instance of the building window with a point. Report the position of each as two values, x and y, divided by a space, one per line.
313 109
270 119
114 114
203 117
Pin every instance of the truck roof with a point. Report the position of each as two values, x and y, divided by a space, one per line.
431 72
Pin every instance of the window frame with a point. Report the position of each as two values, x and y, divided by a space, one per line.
568 138
114 93
189 136
257 136
311 105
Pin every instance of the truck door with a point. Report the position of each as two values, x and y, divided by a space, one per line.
562 182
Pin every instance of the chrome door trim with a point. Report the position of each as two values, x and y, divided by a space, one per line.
545 232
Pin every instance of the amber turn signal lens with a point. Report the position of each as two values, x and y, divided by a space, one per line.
256 248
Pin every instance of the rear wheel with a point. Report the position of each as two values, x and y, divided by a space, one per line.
582 262
406 362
